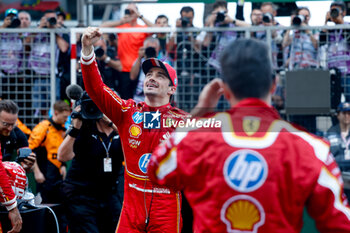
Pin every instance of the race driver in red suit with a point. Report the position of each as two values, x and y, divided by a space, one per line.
255 172
8 199
147 207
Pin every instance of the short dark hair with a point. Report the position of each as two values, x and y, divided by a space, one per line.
161 16
246 68
8 106
340 4
219 3
61 106
186 9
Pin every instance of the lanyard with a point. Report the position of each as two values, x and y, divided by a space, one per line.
104 145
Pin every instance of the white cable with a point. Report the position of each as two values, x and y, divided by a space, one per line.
54 215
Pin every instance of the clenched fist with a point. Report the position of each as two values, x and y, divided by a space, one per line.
90 36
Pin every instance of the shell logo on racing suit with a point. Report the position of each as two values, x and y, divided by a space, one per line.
245 170
135 131
144 161
242 213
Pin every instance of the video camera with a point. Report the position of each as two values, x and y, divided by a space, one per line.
89 110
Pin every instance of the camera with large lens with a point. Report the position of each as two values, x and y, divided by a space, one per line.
335 12
298 20
89 110
15 22
52 21
150 52
99 52
220 16
267 18
185 21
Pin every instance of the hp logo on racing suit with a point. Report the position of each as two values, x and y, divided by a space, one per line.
245 170
144 161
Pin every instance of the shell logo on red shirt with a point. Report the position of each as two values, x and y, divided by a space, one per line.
242 213
135 131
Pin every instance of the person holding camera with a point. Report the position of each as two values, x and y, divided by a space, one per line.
39 62
109 66
11 55
338 44
93 189
146 207
128 45
269 11
302 44
12 138
219 18
150 49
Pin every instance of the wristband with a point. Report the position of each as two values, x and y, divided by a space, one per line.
73 132
107 60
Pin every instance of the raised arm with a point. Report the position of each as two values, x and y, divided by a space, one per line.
106 99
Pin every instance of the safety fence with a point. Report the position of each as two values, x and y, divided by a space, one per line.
30 73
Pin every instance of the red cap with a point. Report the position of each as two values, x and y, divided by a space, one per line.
153 62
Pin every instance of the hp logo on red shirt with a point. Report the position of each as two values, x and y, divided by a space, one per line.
245 170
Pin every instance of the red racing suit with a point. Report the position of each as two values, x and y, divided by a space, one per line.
147 207
254 174
7 196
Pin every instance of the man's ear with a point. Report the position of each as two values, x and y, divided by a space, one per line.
172 90
227 91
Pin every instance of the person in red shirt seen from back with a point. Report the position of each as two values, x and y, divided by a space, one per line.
256 172
129 45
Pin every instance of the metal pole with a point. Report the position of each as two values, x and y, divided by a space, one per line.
53 67
73 58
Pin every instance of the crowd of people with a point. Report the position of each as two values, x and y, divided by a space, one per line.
130 75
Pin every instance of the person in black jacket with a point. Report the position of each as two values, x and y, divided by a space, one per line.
94 185
11 137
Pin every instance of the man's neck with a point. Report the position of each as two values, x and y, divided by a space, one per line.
133 23
103 128
344 128
155 101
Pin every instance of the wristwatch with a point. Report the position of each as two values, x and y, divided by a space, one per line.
73 132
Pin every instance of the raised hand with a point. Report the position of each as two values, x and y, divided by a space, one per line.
90 36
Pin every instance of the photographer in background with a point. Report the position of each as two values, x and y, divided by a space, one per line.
11 137
269 11
338 44
219 18
150 49
302 44
109 66
11 55
181 45
39 62
128 45
93 189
